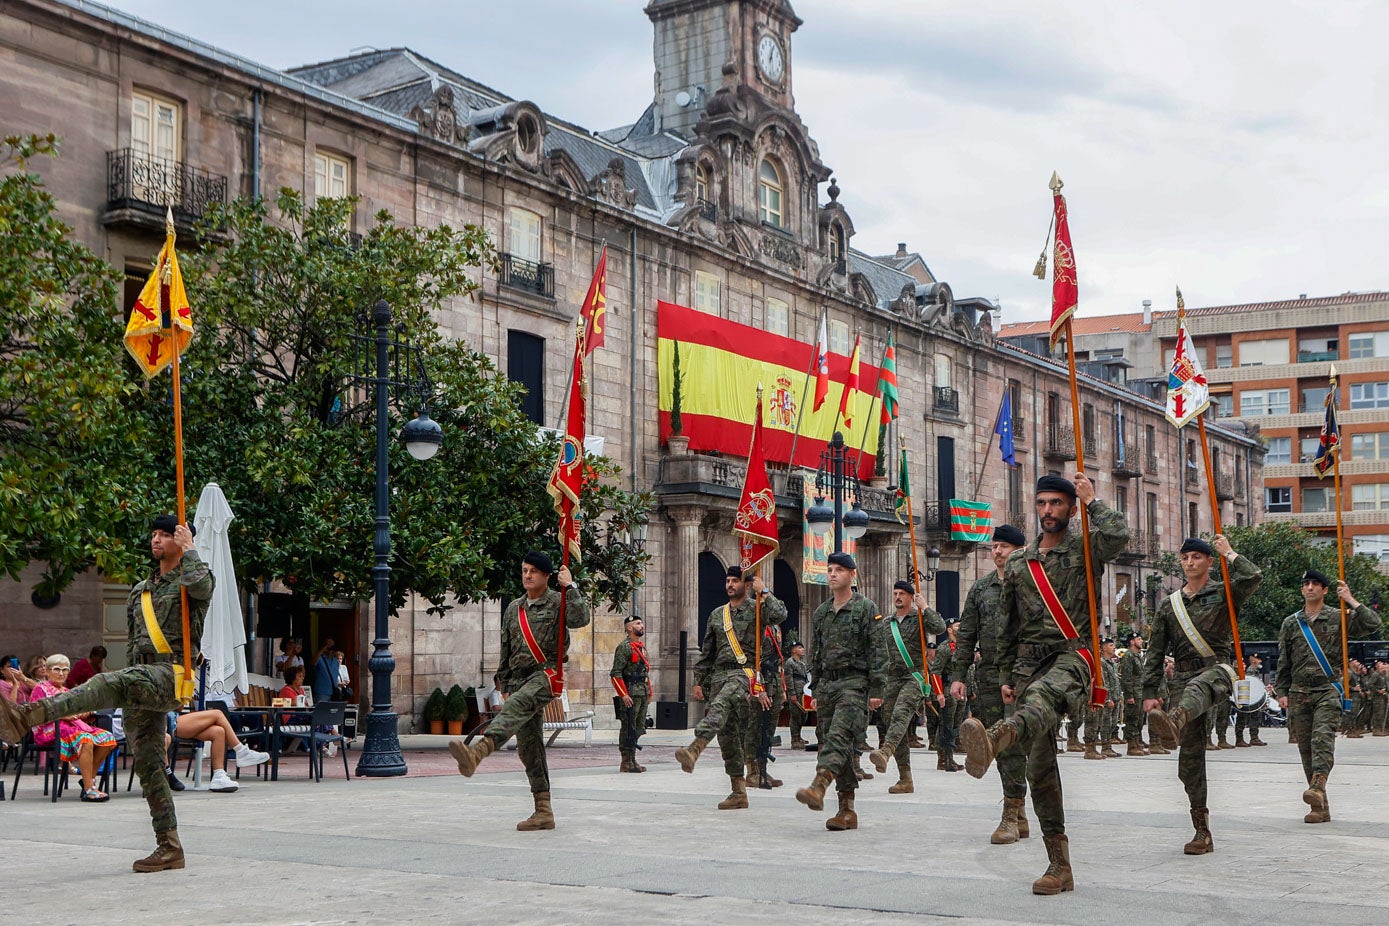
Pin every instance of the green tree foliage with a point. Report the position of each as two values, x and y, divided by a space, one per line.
73 463
1284 551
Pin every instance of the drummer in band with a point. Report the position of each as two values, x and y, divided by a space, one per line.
1192 626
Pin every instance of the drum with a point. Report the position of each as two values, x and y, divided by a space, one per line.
1250 695
807 700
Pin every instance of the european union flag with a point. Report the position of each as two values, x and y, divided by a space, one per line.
1004 429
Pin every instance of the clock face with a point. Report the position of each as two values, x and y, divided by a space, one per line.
769 58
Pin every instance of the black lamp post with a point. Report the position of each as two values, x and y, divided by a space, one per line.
836 478
422 436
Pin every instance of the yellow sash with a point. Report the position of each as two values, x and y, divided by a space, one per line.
733 644
183 687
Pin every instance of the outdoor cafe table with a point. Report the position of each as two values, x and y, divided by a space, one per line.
270 718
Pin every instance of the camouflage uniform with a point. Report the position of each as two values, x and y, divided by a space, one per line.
1379 700
523 680
725 683
902 696
1109 718
1314 708
758 718
631 666
1200 684
1249 720
1044 668
145 690
846 670
796 678
1131 681
981 623
952 713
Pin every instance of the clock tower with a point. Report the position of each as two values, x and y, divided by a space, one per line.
695 39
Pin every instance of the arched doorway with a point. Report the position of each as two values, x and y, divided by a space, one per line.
712 592
788 589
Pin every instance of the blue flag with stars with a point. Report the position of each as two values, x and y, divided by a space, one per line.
1004 429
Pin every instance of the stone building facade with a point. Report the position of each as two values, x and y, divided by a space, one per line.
716 197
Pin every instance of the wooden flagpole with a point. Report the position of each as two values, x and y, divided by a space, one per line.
757 573
800 409
1340 548
564 542
166 322
1224 563
916 578
1084 514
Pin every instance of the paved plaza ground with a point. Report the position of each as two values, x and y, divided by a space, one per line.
436 848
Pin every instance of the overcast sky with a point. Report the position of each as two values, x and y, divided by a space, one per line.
1239 149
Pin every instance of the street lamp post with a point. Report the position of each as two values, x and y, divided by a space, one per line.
381 755
836 477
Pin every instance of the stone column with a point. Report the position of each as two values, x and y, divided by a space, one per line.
684 615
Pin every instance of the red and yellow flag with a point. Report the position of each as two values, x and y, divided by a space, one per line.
850 385
566 481
595 309
1064 291
148 334
755 522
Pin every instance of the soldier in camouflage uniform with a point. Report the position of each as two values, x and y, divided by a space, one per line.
725 672
1379 698
981 624
796 678
631 678
1036 662
1200 683
1316 707
1357 721
1249 720
525 680
951 708
846 674
145 691
761 726
1108 721
1131 681
904 687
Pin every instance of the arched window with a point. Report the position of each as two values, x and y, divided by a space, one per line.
702 191
527 134
837 247
769 195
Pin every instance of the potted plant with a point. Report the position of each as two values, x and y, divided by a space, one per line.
434 711
677 442
455 709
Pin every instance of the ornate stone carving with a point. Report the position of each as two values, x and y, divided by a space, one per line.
437 117
781 250
611 186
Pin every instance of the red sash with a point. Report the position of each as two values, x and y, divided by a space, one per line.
1098 695
556 680
638 655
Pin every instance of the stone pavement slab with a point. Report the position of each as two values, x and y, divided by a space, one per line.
436 848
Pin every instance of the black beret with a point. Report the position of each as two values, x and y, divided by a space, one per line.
798 643
931 646
1050 483
1130 637
1010 534
842 559
540 561
951 621
734 572
1197 545
167 523
629 618
1106 640
904 586
1312 575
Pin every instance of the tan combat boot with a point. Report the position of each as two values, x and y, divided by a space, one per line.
846 819
1165 727
1058 874
1239 740
1156 750
1109 751
797 743
1222 742
468 757
1201 843
636 766
880 756
814 796
1007 832
1024 830
687 756
1136 747
167 856
1073 743
626 765
737 798
1092 751
904 781
1315 797
982 745
544 816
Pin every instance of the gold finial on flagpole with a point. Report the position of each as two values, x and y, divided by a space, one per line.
1181 304
169 221
1333 373
1055 183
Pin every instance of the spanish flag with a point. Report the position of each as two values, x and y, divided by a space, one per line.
850 386
161 320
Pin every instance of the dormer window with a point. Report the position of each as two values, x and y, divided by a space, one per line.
527 134
702 183
770 191
837 247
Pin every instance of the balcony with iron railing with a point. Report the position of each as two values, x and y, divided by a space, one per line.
1092 447
1224 486
840 266
1150 463
140 188
1061 443
708 211
1154 546
528 275
1127 460
1192 478
947 400
1317 356
1019 430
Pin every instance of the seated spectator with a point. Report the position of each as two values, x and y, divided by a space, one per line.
325 672
288 657
294 692
36 668
344 692
94 664
214 727
77 740
15 686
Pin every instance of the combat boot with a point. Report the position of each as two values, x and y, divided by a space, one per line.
1109 751
636 766
1255 741
1024 830
15 720
1092 751
846 819
916 742
687 756
1073 743
626 765
1201 843
1315 797
737 798
468 757
1165 727
1136 747
880 756
814 796
1240 742
982 745
858 769
1222 742
904 781
947 763
167 856
1058 874
797 743
1007 832
544 816
1157 750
